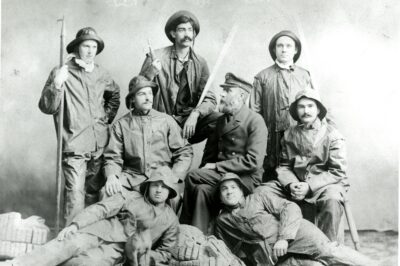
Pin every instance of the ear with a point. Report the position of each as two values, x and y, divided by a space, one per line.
173 34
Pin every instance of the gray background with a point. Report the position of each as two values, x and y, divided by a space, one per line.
350 47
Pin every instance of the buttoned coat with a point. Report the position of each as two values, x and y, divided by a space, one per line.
238 145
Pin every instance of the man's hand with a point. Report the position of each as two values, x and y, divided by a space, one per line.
157 64
61 76
67 232
211 166
190 125
280 248
113 185
299 190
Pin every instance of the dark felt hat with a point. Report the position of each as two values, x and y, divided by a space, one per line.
173 20
287 33
233 81
84 34
236 178
310 94
135 85
164 174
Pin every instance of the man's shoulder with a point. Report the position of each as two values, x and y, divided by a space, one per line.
163 52
254 117
266 72
333 132
301 70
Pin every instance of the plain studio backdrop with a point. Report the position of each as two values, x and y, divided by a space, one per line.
350 47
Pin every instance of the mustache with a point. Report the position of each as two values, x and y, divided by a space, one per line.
306 115
187 38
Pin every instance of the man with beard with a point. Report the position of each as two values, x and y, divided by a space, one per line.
270 230
274 89
237 145
313 163
181 75
143 140
91 100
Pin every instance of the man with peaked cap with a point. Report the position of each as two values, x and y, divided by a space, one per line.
270 230
91 101
237 145
274 89
142 140
181 75
97 234
313 163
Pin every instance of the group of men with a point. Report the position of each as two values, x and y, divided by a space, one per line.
142 164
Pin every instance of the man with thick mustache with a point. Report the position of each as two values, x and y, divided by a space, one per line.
181 75
237 145
313 163
143 140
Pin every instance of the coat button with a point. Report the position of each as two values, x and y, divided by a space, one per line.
233 153
233 138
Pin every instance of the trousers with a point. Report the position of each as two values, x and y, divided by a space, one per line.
83 181
81 249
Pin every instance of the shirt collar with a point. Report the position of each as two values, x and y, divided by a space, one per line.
140 113
174 55
87 67
286 66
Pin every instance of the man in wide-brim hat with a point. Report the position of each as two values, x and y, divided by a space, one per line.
313 163
142 140
274 89
91 100
97 234
270 230
181 75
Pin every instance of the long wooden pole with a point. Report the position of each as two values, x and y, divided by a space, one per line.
60 118
221 56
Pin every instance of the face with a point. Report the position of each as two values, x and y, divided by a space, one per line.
307 110
184 35
230 193
143 99
231 99
285 49
87 50
158 192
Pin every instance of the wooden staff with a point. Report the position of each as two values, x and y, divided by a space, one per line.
60 118
221 56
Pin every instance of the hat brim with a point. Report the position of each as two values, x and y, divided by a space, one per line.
168 26
72 45
172 191
291 35
130 95
293 109
245 190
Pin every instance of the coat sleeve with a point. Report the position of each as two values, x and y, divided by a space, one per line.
113 154
210 102
51 96
255 151
182 151
288 213
285 174
148 70
336 166
111 98
106 208
256 96
162 253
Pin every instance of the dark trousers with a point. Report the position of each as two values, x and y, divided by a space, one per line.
204 127
325 211
200 204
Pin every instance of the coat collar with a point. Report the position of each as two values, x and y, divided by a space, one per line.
226 127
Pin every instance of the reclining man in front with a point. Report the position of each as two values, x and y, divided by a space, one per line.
91 237
270 230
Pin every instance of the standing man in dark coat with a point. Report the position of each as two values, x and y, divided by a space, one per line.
237 145
274 89
181 75
91 100
270 230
